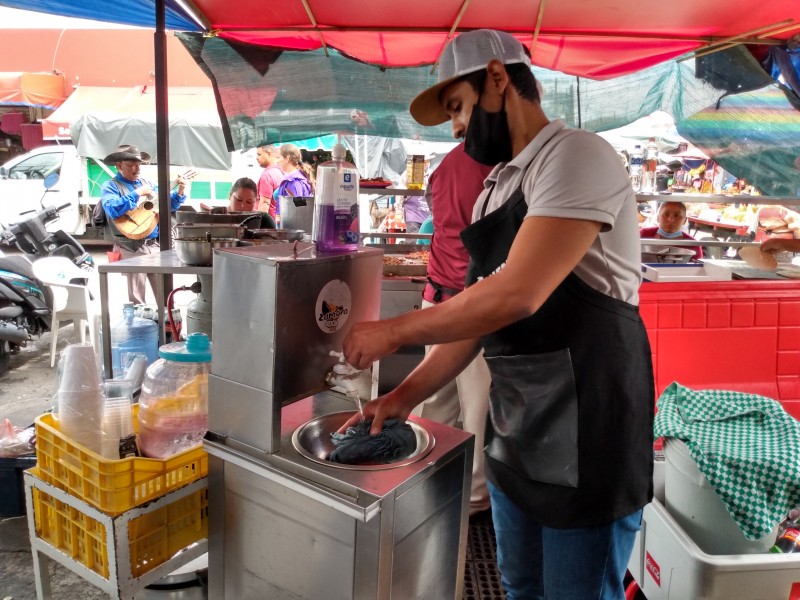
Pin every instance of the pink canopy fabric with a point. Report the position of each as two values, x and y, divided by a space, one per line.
44 90
600 39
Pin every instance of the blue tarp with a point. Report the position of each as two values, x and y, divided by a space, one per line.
126 12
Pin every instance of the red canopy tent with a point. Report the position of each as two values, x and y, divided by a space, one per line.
598 39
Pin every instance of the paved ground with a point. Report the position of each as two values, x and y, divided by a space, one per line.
26 389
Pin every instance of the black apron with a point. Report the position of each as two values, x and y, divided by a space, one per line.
570 435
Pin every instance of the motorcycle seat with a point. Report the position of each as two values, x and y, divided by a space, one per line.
10 312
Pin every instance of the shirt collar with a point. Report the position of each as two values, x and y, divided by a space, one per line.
134 181
524 158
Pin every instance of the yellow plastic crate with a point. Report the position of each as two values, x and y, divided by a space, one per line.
153 537
113 486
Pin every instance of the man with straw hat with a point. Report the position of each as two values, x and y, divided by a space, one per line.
552 299
130 204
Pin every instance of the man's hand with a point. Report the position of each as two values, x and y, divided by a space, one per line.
181 183
368 342
144 190
777 245
390 406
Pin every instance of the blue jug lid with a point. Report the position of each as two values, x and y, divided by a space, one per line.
196 348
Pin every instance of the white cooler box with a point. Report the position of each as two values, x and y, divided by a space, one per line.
667 564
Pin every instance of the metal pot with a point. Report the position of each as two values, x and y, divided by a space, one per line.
217 230
289 235
200 251
297 212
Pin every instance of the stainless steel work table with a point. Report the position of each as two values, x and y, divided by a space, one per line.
162 264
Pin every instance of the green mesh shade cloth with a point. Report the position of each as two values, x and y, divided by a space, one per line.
274 96
279 96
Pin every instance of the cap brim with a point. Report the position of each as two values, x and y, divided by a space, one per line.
426 108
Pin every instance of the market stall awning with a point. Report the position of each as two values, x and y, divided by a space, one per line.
97 119
39 90
93 57
599 39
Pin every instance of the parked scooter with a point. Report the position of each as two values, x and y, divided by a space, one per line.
25 306
31 236
25 303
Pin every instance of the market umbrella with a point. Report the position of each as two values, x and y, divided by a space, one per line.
755 135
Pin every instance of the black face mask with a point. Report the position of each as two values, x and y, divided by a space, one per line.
488 140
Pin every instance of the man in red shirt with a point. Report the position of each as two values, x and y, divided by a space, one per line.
267 157
451 193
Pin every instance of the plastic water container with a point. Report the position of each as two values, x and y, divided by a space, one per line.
335 227
132 335
697 508
173 406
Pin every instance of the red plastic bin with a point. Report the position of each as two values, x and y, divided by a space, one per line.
734 335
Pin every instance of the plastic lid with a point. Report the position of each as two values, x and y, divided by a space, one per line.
196 348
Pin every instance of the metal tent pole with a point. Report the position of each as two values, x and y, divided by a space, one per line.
162 151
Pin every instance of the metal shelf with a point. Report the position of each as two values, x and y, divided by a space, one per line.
719 199
393 192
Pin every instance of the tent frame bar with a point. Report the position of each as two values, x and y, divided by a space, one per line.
556 33
314 23
460 14
730 42
538 27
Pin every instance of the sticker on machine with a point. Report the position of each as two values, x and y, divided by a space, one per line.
652 567
333 306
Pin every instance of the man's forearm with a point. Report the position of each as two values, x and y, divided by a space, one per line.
440 366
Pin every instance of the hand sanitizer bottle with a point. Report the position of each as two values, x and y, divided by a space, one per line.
336 227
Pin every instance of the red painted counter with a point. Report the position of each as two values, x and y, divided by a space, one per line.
741 335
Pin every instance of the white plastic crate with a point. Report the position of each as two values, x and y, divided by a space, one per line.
668 565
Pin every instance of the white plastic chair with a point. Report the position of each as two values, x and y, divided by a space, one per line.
71 301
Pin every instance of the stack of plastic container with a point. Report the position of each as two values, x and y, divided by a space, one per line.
80 396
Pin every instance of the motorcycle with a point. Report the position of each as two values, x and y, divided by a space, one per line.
25 303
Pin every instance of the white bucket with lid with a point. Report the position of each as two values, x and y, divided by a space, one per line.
698 509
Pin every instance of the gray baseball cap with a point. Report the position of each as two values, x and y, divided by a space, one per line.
466 53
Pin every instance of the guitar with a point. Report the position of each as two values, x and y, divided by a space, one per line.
139 222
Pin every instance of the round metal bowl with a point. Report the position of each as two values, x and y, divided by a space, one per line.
313 441
199 251
666 254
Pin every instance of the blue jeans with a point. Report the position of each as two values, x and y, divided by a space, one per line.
538 562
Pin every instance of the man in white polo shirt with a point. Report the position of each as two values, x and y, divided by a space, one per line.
553 301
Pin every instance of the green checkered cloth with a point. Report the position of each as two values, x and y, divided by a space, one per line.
747 446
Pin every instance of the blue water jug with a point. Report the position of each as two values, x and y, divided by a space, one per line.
132 335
